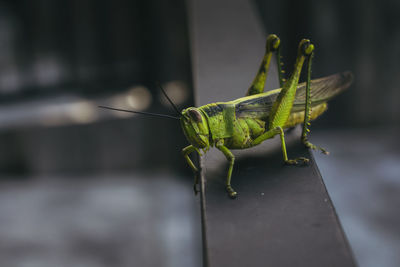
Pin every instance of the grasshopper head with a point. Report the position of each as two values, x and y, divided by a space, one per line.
195 127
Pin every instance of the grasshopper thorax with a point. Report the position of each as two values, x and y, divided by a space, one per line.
195 127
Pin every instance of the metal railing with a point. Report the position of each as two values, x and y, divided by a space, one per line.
283 215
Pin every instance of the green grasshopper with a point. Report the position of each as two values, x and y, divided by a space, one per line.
250 120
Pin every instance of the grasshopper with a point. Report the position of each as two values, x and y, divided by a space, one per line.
250 120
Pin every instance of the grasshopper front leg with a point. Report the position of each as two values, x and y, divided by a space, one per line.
185 152
231 158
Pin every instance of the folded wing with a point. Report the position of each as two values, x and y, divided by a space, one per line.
322 90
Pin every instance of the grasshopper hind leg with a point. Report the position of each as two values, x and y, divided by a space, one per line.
314 147
272 45
304 135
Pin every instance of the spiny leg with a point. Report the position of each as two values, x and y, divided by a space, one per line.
272 45
281 108
272 133
307 112
185 152
281 71
231 158
283 104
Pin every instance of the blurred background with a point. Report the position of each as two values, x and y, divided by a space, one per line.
81 186
88 187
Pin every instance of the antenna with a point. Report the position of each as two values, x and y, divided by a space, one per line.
141 112
170 101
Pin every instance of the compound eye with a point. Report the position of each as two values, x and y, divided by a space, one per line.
195 115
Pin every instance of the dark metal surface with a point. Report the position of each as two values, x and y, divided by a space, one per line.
282 217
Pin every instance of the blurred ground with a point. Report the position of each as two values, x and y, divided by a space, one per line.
112 220
362 175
